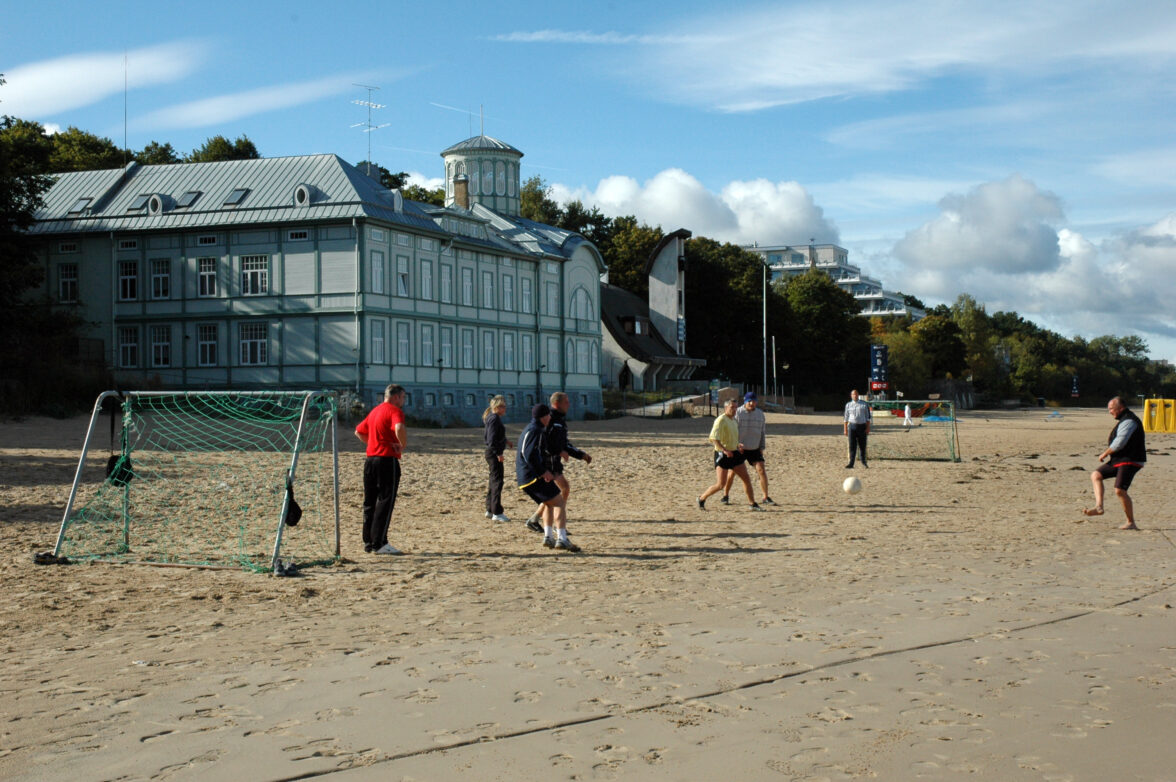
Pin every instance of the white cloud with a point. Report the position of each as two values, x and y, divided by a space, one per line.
50 87
744 212
427 182
1150 167
225 108
1001 227
997 243
778 54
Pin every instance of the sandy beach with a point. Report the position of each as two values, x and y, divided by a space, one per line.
952 621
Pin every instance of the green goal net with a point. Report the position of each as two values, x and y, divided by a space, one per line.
213 479
922 429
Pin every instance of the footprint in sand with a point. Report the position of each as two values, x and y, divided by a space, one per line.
527 696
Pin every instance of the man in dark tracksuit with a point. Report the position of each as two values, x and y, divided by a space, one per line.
560 448
1125 455
533 472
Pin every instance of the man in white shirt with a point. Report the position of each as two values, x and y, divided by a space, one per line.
857 427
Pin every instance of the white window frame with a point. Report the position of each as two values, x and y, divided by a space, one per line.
467 286
298 235
467 348
508 357
254 344
488 290
377 271
525 301
403 283
207 341
427 345
508 293
446 346
67 283
488 349
427 280
128 280
551 298
254 275
160 346
128 347
160 279
552 353
206 273
527 349
446 283
403 344
378 355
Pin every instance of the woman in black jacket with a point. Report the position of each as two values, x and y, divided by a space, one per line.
496 443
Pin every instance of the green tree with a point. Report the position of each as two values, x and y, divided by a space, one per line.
77 150
156 154
536 203
39 348
627 255
940 340
829 347
436 196
219 148
909 364
979 342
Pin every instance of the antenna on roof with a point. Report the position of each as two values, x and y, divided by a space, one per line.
124 109
368 127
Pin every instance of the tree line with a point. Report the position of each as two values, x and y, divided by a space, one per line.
825 342
819 334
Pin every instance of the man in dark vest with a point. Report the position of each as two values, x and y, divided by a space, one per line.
1124 456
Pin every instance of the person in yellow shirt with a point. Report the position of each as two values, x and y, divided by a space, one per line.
724 437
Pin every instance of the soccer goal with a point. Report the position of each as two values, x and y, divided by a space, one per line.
929 433
233 479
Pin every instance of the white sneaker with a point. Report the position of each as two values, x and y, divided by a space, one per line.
488 515
499 517
388 548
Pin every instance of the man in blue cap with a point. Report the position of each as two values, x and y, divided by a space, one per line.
752 440
535 478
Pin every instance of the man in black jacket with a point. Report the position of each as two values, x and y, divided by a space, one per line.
1125 455
561 450
533 471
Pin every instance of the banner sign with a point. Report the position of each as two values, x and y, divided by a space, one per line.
879 368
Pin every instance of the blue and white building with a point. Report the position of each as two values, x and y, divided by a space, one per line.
789 261
303 272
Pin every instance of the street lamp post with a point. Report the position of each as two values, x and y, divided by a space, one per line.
764 387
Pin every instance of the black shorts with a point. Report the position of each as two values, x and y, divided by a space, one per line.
753 455
1124 473
728 462
541 491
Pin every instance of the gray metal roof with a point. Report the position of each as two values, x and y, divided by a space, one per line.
337 191
482 142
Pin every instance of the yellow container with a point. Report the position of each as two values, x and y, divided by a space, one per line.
1159 415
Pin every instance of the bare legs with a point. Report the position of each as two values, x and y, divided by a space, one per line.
759 471
1096 481
721 480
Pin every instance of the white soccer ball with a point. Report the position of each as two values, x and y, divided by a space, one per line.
852 485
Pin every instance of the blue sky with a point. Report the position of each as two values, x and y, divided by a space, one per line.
1023 153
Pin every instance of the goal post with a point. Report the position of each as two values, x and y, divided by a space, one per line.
929 433
236 479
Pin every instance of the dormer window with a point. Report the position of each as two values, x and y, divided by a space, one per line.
237 196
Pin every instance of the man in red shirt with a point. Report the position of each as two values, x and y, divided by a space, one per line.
383 433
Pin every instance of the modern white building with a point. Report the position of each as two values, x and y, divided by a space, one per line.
302 272
789 260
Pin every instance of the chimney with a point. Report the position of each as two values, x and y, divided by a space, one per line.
461 191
